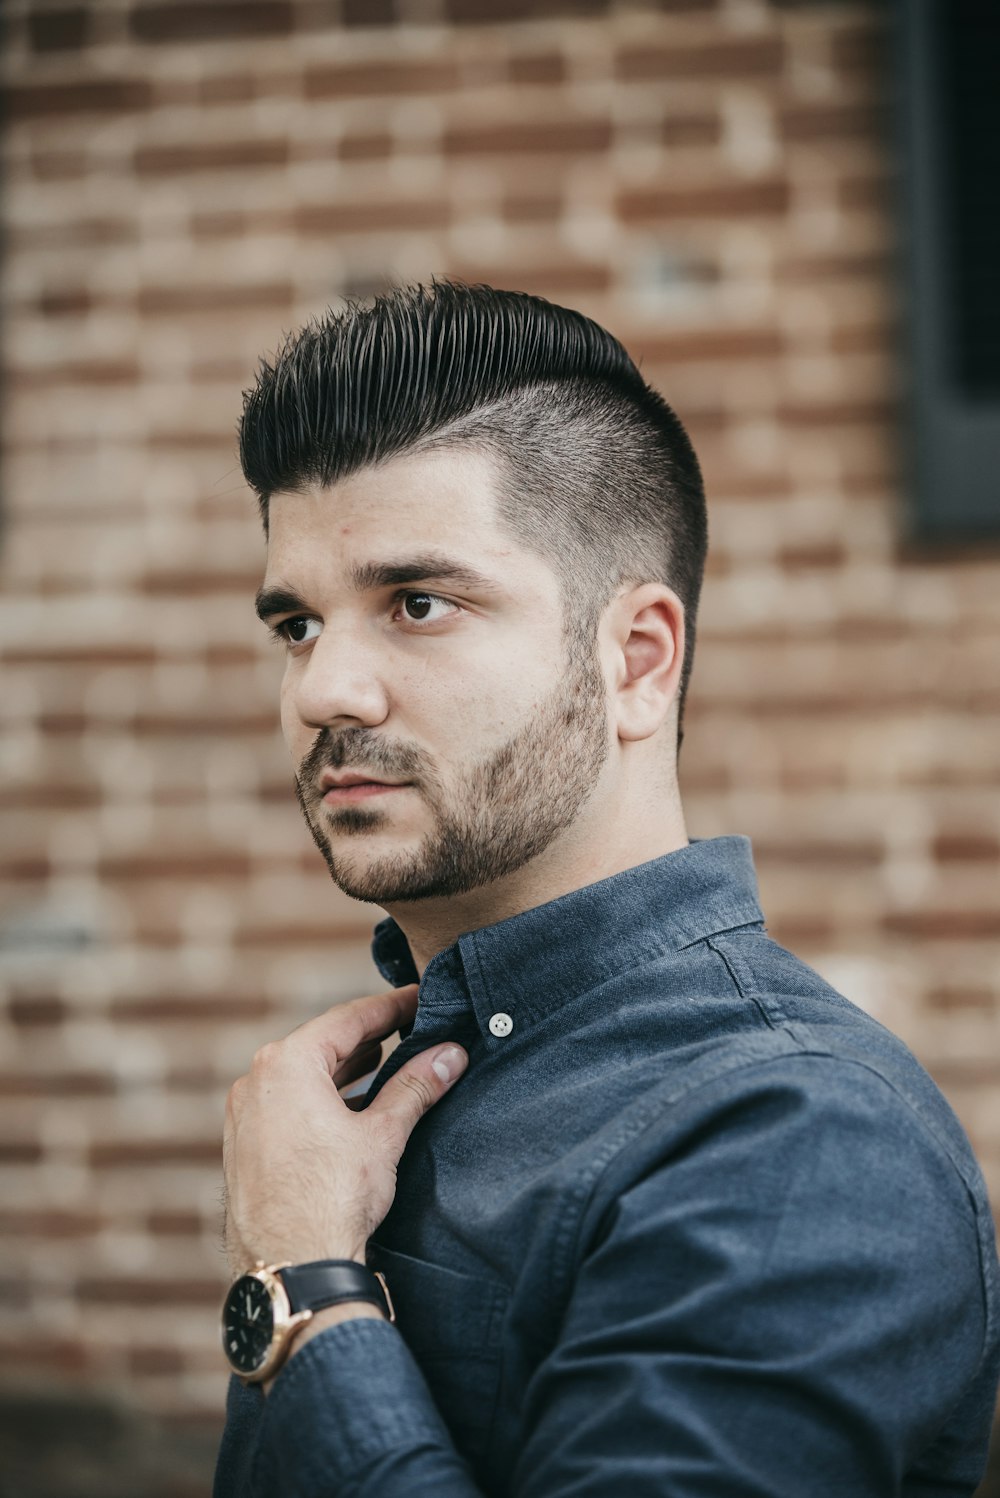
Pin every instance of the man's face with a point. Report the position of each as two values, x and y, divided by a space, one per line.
455 689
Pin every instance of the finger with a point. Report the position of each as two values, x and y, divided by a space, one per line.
417 1086
342 1030
368 1058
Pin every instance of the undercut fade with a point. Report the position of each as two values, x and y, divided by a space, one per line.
596 473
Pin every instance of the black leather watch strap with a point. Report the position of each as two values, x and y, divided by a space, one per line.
325 1282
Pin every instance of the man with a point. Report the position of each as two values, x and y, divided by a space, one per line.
657 1210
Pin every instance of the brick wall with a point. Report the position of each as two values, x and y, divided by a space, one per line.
182 183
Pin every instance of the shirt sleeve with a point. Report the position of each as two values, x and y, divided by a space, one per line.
350 1413
785 1298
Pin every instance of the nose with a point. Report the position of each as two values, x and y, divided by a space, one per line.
338 683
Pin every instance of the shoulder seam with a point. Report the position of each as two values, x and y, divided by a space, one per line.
742 986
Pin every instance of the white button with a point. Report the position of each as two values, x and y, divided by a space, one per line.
501 1024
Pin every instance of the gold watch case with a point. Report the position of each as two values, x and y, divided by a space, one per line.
284 1322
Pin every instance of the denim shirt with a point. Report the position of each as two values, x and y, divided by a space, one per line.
690 1224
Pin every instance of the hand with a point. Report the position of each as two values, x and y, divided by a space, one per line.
306 1175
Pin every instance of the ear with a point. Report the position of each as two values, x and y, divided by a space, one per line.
647 649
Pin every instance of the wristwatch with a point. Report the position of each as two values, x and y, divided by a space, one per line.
266 1307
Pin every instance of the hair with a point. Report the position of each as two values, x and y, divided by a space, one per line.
597 474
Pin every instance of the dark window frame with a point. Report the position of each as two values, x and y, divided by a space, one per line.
951 436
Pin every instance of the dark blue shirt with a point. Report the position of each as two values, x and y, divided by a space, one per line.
691 1223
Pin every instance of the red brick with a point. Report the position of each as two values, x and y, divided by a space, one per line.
230 88
32 101
747 57
966 847
567 137
128 1152
48 1222
37 1011
219 223
537 67
342 80
130 1290
374 146
20 1151
815 269
211 156
94 655
763 197
830 413
838 120
528 207
934 924
805 556
800 930
703 129
167 301
57 1084
177 1224
108 372
66 301
962 996
194 21
29 868
708 342
823 853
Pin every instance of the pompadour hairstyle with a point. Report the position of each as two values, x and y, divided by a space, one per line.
596 473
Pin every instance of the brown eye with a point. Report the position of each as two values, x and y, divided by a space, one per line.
418 604
298 631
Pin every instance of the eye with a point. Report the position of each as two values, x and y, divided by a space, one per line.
417 607
296 631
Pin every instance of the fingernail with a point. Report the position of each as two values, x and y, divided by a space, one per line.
449 1063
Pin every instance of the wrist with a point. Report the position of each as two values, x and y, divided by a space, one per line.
319 1321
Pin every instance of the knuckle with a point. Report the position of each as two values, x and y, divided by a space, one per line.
419 1087
267 1055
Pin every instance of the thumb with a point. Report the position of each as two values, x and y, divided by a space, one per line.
418 1085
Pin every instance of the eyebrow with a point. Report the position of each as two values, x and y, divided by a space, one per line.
367 577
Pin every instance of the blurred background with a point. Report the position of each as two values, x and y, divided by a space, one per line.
769 203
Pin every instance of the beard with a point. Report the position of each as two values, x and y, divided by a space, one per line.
503 811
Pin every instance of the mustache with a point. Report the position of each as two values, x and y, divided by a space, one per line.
357 749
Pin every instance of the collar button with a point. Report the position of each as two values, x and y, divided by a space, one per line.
501 1025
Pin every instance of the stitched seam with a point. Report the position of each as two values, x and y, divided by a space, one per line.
744 986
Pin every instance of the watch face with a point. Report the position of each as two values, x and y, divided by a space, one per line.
247 1324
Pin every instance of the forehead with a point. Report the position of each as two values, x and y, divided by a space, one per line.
445 501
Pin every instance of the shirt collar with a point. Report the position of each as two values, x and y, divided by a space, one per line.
528 964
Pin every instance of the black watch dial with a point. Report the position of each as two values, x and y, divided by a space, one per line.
247 1324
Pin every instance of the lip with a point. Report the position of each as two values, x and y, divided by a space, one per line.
334 779
359 791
